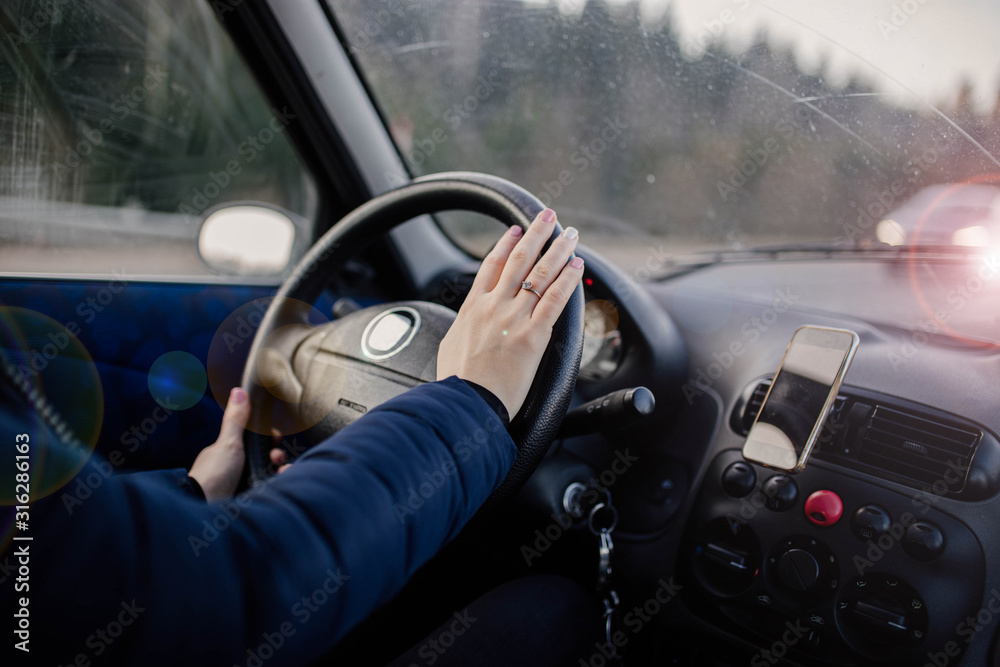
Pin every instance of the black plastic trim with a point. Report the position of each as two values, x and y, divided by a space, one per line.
843 444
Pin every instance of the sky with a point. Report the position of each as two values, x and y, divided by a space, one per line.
916 51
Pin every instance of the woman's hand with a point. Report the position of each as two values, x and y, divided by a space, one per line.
217 468
501 331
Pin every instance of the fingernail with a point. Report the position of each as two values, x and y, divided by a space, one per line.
237 395
570 233
577 262
548 215
516 231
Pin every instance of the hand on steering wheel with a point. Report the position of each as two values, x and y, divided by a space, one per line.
505 324
315 380
496 341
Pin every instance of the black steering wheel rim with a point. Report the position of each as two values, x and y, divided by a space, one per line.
539 419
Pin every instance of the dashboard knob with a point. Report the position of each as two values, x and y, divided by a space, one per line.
739 479
824 508
798 569
780 493
923 541
870 522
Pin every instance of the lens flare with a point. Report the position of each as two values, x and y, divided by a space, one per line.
57 380
177 380
295 406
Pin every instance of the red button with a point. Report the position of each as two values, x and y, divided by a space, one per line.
824 508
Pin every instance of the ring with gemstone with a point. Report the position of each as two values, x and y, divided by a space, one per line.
527 285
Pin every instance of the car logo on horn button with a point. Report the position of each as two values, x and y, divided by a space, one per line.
389 332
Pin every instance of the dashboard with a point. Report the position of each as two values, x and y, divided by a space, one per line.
879 552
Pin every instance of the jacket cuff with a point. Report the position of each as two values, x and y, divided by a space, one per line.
496 405
194 488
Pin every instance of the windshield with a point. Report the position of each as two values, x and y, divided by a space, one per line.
704 125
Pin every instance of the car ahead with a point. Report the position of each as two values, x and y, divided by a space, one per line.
736 169
959 214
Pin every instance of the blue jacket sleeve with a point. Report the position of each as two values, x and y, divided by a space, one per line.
284 569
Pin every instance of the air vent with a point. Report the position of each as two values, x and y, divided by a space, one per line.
754 403
920 449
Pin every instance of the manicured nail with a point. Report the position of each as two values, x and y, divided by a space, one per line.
237 395
570 233
516 231
577 262
548 215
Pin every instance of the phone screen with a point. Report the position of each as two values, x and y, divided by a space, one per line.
800 397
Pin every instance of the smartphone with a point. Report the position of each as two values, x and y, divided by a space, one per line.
803 391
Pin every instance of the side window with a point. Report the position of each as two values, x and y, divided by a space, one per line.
124 124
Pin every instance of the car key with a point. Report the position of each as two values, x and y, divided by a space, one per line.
602 521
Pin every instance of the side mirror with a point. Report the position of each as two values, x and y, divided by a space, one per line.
249 239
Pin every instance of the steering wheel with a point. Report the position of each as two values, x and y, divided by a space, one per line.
318 379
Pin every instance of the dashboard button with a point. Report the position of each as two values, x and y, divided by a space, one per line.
923 541
870 522
780 493
739 479
824 508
